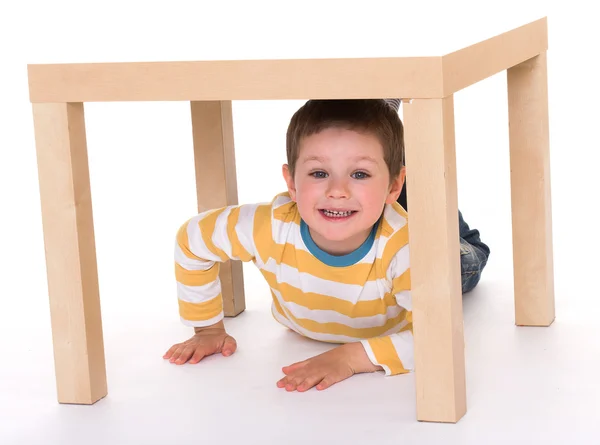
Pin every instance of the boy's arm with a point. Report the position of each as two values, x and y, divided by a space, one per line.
202 243
395 352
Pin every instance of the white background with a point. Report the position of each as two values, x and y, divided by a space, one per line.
143 188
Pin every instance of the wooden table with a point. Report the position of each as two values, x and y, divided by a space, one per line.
426 83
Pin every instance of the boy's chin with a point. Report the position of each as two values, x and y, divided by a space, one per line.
337 238
340 235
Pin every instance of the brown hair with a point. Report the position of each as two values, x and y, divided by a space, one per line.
372 116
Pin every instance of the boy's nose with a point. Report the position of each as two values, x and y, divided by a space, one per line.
338 189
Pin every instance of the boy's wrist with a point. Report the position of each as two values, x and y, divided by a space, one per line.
358 358
220 326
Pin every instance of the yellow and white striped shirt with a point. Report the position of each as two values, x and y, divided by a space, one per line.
368 300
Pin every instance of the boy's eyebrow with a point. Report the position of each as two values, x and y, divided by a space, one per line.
365 158
314 158
357 158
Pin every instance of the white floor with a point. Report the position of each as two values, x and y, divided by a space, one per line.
524 385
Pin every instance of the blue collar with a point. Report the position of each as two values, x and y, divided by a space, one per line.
334 260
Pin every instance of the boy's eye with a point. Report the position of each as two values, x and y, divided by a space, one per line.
318 174
360 175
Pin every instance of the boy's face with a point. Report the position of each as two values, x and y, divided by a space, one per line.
341 185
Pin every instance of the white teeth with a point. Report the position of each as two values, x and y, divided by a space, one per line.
334 213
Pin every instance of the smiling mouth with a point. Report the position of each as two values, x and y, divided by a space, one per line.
337 213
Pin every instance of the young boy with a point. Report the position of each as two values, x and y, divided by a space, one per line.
333 248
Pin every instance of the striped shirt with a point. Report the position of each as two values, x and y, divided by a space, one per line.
366 299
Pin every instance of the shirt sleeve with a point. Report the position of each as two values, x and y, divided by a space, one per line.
202 243
395 352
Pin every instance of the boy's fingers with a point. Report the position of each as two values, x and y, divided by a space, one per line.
305 385
293 382
185 355
175 355
169 353
199 354
189 352
285 381
305 382
293 367
327 381
309 382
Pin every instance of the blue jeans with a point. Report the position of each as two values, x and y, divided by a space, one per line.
474 253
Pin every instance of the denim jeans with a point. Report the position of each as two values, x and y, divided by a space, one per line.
474 253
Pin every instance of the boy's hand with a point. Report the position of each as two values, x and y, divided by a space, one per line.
206 341
328 368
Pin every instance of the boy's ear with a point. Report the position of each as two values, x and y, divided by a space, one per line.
396 187
289 180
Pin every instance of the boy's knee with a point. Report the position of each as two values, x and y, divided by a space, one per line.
469 282
472 263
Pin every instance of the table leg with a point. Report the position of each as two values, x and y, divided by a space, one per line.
530 189
70 252
216 183
435 259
